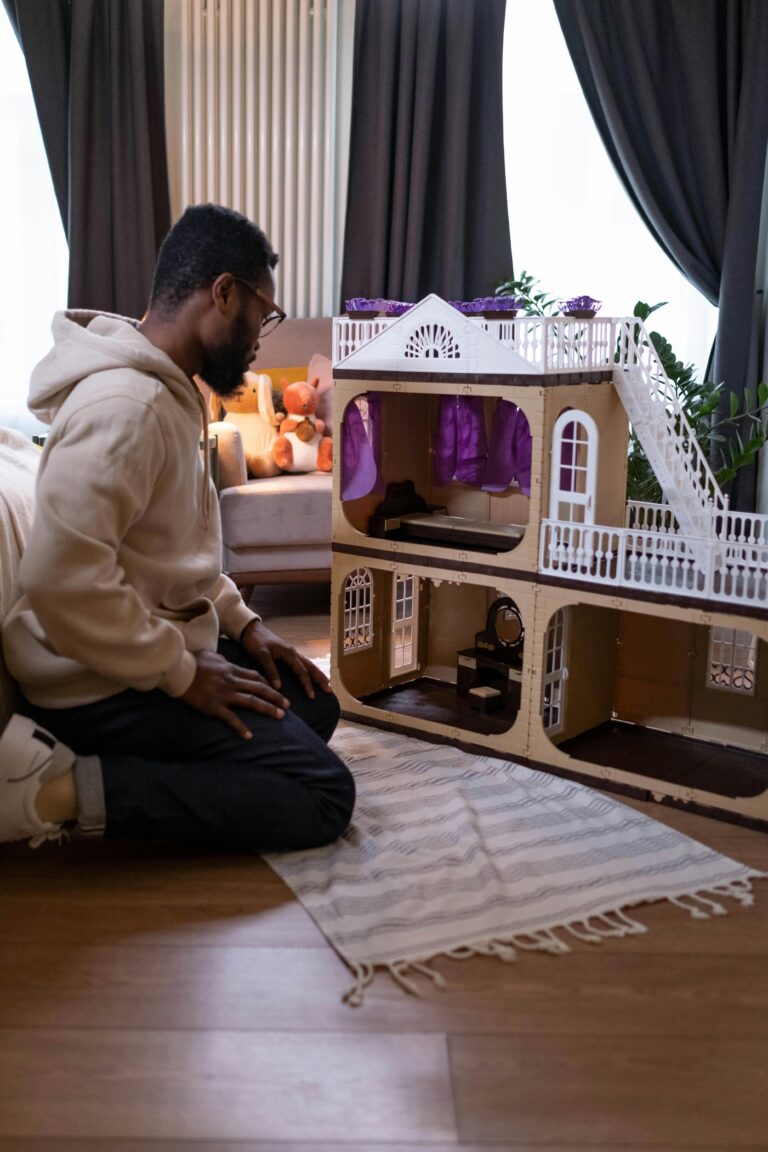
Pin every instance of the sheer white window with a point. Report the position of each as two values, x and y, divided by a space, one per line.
34 250
405 624
732 660
574 468
573 226
358 610
555 673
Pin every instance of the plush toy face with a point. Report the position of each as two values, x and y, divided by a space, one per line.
252 412
301 399
251 397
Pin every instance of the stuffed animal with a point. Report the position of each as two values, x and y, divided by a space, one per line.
301 445
252 411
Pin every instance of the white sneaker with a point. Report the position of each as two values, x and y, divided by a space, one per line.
29 757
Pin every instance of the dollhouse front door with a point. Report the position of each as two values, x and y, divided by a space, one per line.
574 468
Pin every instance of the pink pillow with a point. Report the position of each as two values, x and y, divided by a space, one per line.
321 366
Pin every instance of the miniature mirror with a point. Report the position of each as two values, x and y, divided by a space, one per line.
504 632
508 626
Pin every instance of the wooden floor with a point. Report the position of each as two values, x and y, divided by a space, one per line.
152 1000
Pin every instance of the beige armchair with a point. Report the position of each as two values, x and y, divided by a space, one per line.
277 530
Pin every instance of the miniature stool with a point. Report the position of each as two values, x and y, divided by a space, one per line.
483 698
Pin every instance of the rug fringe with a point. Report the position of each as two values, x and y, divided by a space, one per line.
700 905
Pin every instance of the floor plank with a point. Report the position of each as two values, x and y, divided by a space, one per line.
591 993
45 1144
709 1093
224 1085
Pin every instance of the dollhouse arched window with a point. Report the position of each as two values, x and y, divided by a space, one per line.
574 468
732 660
555 673
358 610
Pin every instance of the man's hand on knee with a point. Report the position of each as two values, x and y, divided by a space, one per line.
266 648
219 686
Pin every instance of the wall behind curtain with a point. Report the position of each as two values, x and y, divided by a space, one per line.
257 112
427 203
96 70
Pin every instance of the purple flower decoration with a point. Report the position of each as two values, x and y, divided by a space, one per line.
363 306
583 307
498 303
485 304
373 306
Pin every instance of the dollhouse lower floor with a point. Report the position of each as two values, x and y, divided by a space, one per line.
722 769
662 701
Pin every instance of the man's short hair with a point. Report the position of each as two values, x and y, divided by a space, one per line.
204 242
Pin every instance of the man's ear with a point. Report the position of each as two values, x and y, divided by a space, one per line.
223 292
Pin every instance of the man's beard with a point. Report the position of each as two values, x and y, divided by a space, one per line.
223 367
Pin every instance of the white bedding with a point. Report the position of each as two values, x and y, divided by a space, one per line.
19 459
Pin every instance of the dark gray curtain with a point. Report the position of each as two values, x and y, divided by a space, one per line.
427 200
679 93
96 70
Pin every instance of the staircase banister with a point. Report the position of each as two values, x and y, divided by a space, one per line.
643 357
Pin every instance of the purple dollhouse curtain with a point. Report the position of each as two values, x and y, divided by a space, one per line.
460 446
361 451
509 456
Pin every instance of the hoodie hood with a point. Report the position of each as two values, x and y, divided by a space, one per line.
89 342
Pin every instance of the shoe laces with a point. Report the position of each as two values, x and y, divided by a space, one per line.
60 835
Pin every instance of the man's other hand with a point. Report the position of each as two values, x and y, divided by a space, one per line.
267 648
219 686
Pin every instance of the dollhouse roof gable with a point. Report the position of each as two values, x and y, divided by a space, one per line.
433 336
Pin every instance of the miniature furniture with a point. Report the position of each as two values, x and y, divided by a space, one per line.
645 662
278 529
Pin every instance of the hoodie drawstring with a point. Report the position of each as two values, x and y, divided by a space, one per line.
206 457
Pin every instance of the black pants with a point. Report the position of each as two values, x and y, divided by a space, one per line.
170 772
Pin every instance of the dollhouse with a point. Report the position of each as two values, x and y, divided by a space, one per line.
492 587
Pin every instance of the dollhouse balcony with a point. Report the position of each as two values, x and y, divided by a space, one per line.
731 567
548 343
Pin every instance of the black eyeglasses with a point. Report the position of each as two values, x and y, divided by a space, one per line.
274 316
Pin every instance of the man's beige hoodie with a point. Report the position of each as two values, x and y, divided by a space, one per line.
121 577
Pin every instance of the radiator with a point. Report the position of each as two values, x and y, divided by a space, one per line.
257 126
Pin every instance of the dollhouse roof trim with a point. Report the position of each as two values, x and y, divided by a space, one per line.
433 336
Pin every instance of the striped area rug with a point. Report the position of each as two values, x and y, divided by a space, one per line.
451 854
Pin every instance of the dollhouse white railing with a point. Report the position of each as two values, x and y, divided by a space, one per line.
651 517
748 528
660 424
552 343
662 562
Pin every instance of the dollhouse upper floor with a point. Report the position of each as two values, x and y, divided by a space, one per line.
511 435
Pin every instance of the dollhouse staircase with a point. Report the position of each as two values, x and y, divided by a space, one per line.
666 437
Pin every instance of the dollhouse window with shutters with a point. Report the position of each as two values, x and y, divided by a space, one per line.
732 660
404 651
555 673
358 610
574 468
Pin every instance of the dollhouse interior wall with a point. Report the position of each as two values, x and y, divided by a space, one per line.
602 403
653 672
408 423
662 682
